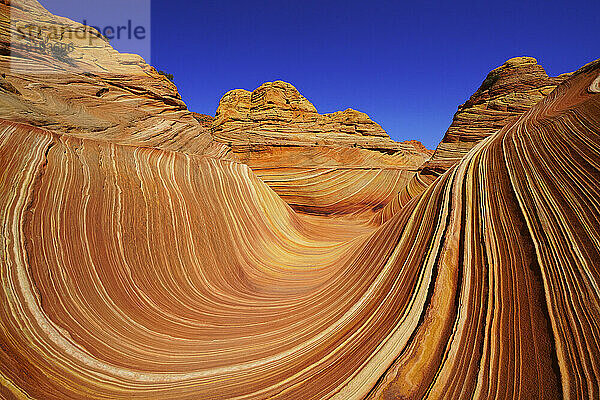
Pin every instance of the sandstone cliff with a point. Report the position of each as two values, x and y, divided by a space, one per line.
507 92
97 93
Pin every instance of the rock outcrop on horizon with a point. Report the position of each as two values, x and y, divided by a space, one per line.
278 108
277 132
505 94
137 263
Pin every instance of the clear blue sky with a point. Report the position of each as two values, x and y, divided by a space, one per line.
406 64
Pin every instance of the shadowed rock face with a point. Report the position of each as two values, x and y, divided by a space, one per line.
505 94
132 271
205 121
352 161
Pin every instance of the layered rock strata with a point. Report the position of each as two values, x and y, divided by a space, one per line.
139 272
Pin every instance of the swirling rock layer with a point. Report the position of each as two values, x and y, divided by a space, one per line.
132 271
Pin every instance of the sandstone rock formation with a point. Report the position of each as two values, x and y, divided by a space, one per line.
278 107
294 149
94 91
506 93
163 269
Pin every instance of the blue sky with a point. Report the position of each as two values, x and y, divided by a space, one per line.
406 64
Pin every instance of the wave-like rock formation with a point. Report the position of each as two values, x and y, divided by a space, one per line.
143 271
329 164
505 94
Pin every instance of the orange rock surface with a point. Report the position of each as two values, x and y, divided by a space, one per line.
137 263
